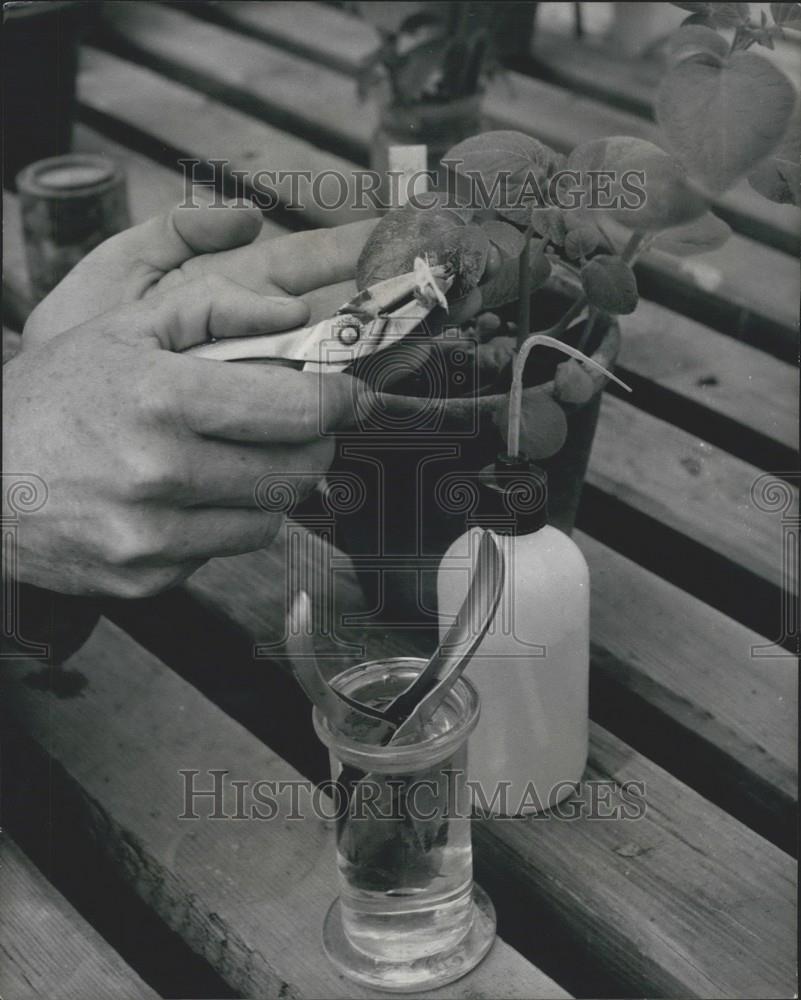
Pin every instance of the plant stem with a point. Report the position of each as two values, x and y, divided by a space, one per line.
592 318
524 287
575 310
632 248
516 393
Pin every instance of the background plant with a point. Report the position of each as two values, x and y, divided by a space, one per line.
430 52
724 113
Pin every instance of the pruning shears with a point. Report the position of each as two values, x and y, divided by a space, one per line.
376 318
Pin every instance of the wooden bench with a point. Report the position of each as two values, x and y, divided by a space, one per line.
49 950
695 899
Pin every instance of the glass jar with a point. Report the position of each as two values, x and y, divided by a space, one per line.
409 915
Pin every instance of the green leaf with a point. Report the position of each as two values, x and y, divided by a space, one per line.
669 197
722 15
573 383
493 357
609 284
721 121
550 224
506 238
581 242
704 234
464 251
410 232
787 15
504 286
779 177
543 424
696 40
511 164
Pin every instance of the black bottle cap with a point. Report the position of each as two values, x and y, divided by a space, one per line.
513 496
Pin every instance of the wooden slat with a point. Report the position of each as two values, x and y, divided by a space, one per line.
727 284
249 896
683 902
676 903
682 660
47 949
182 119
702 366
152 189
689 664
343 43
683 482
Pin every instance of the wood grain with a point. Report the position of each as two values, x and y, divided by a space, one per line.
682 901
702 366
47 949
180 118
688 663
686 484
248 895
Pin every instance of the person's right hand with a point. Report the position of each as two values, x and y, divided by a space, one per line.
153 460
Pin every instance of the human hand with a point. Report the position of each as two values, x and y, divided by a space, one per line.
189 243
152 459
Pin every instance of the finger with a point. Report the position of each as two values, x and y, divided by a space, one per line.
228 474
262 403
211 307
203 533
298 262
324 302
166 241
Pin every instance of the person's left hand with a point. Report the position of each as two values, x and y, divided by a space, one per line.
190 243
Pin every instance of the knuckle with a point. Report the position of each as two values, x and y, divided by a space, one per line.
129 542
148 475
155 400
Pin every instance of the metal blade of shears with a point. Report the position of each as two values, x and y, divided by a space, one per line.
371 321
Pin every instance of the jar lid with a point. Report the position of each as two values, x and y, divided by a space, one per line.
513 497
72 175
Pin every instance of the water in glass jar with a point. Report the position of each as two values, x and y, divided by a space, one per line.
405 862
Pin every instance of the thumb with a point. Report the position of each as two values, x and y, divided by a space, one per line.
191 313
167 241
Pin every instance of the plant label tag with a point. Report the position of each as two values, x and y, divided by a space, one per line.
407 169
